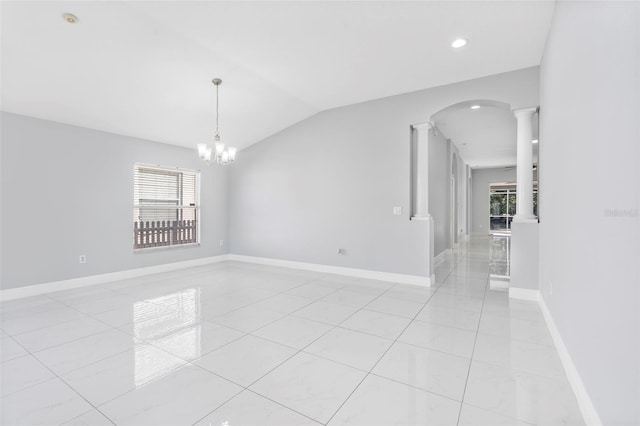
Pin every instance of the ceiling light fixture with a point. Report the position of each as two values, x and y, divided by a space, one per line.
534 141
216 153
458 43
475 106
70 18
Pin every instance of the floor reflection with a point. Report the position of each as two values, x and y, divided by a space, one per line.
176 326
499 261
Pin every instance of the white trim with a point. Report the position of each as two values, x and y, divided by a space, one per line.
527 219
160 248
440 257
419 126
36 289
589 412
499 284
524 294
527 110
339 270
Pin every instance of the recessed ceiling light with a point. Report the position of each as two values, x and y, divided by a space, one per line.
475 106
458 43
70 18
534 141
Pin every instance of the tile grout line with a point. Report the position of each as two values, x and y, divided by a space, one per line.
246 388
68 385
187 363
56 375
333 327
383 354
290 314
118 329
475 340
191 362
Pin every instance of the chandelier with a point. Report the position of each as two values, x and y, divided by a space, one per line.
217 153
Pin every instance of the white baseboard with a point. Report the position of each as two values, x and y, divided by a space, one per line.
499 284
339 270
524 294
36 289
441 256
587 409
589 412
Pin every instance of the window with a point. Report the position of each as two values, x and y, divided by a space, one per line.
166 207
502 205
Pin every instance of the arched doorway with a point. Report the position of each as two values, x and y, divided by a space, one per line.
466 135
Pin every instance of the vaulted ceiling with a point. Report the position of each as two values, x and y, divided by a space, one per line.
144 68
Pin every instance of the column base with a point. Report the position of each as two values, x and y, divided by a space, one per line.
525 219
422 217
524 257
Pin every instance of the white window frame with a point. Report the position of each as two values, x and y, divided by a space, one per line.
196 207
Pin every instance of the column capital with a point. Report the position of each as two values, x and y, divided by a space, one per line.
525 111
423 126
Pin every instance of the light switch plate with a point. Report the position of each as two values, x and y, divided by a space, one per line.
397 210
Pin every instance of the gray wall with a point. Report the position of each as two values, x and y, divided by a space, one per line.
441 151
332 180
68 191
328 182
439 165
481 178
590 196
461 191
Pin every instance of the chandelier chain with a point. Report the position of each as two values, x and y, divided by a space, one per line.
217 109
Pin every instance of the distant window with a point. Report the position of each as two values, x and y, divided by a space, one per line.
502 205
166 206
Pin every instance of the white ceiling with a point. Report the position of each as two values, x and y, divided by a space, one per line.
144 68
485 137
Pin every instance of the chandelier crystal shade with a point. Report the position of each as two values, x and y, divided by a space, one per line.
217 153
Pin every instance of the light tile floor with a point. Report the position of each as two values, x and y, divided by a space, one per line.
239 344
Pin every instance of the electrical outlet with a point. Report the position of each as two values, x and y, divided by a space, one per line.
82 258
397 210
221 243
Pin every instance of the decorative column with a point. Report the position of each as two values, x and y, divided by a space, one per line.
524 184
421 171
420 179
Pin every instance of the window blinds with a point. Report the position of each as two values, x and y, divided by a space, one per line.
165 206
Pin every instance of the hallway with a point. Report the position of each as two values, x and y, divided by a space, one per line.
515 369
241 344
